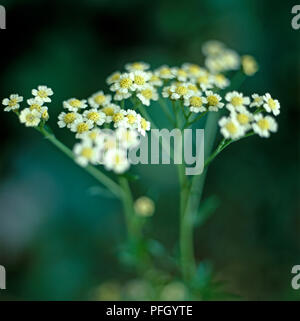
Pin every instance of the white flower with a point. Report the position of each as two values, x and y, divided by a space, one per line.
180 74
86 153
264 125
132 119
96 116
67 119
179 91
127 138
99 99
137 66
31 118
205 80
147 94
193 70
12 102
109 112
143 126
231 60
119 118
196 103
257 100
236 101
140 79
271 105
212 48
124 84
154 80
221 81
93 136
35 103
230 128
116 160
44 114
80 126
244 118
75 104
113 77
164 72
43 92
121 96
166 93
213 101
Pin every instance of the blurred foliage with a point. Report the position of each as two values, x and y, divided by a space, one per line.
59 240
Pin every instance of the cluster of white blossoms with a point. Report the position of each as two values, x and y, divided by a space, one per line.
36 112
241 120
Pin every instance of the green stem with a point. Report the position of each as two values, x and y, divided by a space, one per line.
189 123
166 111
92 170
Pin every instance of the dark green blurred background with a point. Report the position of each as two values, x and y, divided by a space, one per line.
58 237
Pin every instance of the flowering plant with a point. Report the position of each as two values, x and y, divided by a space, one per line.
107 126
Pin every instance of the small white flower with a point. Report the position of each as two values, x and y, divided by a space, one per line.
221 81
140 79
271 105
212 48
113 77
99 99
166 93
154 80
231 60
67 119
109 112
124 84
43 92
86 153
119 118
31 118
196 103
179 91
244 118
94 136
132 119
35 103
236 101
147 94
213 101
143 126
205 80
116 160
257 100
44 113
75 104
96 116
264 125
180 74
230 128
12 102
164 72
193 70
127 138
80 126
137 66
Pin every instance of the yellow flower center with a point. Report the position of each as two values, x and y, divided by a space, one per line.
30 118
165 71
115 77
12 102
137 66
45 115
82 127
263 124
220 77
271 103
99 99
154 78
243 119
202 79
194 69
181 73
236 101
196 101
131 119
42 94
69 118
93 135
36 107
139 80
192 87
87 152
118 117
75 103
117 159
144 124
147 93
108 111
212 100
181 90
94 116
125 83
257 99
231 127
